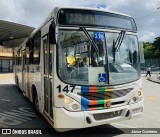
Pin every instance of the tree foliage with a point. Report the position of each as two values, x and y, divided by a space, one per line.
156 43
152 50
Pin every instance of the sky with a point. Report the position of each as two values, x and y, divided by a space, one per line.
34 12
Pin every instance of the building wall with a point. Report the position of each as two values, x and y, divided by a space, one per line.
6 59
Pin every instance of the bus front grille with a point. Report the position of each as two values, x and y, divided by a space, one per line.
93 98
107 115
102 105
105 95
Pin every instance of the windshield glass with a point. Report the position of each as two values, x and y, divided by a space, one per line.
124 64
79 61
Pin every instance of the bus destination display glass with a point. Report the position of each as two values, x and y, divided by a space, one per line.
96 19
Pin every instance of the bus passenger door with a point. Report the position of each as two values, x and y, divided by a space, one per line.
47 67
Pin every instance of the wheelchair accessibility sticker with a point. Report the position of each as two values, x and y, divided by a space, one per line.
102 77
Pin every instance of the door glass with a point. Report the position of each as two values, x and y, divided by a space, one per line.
24 59
45 56
46 93
48 54
50 59
51 99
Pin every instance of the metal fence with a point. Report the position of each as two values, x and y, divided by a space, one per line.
154 63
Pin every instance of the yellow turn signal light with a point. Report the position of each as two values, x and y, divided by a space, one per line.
60 96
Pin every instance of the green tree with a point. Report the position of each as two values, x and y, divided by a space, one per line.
152 50
148 50
156 44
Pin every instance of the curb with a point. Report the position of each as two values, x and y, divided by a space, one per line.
155 81
6 76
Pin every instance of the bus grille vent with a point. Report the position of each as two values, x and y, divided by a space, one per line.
105 95
108 115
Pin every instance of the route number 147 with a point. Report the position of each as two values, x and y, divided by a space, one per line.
66 89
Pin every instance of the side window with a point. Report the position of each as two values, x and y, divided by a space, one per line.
45 56
50 58
20 57
33 49
29 52
36 48
27 56
17 58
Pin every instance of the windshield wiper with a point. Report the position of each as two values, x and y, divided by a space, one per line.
90 39
117 43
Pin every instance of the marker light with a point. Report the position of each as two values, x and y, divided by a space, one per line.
60 96
67 101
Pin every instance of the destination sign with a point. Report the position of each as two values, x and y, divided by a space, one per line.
95 19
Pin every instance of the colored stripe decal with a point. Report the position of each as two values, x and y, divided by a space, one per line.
84 103
96 102
86 89
100 89
92 102
108 90
87 102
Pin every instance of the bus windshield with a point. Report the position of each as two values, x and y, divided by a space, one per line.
124 64
79 63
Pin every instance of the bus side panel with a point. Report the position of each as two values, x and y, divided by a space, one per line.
19 76
32 79
14 67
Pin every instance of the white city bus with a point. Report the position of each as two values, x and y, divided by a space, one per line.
81 68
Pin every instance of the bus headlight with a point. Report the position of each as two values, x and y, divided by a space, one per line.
67 101
137 97
139 93
74 106
71 104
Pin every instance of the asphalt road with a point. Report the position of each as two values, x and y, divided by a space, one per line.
17 112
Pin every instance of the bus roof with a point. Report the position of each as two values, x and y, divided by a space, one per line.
56 9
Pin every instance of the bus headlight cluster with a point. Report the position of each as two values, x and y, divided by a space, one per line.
137 97
71 104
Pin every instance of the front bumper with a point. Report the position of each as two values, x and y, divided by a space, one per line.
66 120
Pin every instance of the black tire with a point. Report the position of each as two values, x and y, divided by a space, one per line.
35 103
